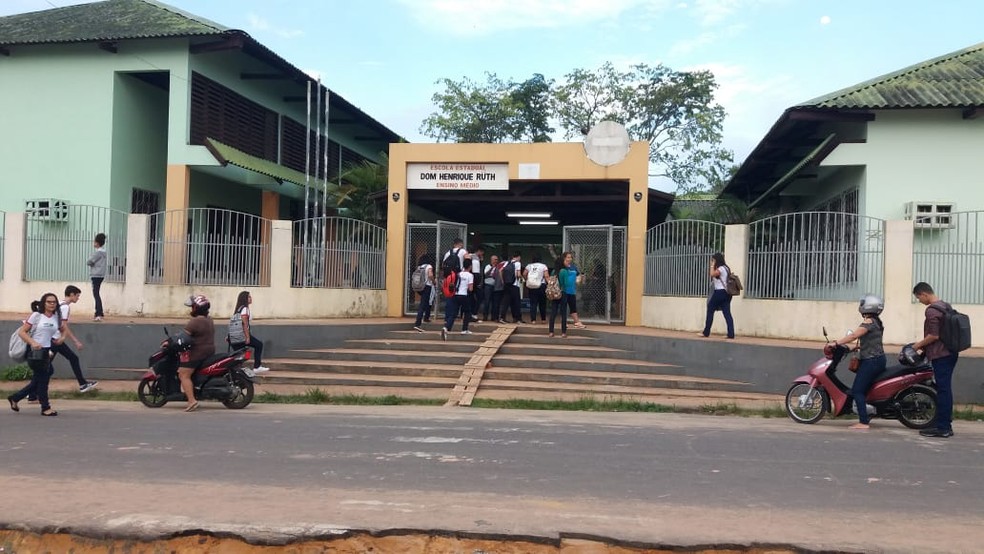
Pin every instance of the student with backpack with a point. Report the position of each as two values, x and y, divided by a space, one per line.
493 288
422 282
40 331
72 294
241 332
719 298
511 277
944 360
459 285
535 276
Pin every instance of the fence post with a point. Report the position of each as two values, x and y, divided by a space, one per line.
736 251
281 254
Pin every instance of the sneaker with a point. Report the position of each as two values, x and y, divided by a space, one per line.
418 329
466 332
260 369
88 386
444 334
502 321
937 433
97 318
427 320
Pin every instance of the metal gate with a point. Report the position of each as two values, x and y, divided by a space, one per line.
599 254
432 240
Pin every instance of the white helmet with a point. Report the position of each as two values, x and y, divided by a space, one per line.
871 304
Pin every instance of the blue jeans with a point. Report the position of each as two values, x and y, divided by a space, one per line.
38 387
455 303
943 374
96 285
869 369
72 358
423 306
720 300
257 346
560 307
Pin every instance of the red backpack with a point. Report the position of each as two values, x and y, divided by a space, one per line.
449 286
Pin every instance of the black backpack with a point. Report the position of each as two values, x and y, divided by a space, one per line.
509 273
451 264
954 328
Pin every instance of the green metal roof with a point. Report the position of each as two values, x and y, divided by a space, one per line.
949 81
104 21
226 154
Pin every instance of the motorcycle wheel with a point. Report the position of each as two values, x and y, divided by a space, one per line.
150 394
245 395
917 407
812 408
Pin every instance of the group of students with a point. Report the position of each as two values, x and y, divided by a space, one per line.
494 290
44 332
47 328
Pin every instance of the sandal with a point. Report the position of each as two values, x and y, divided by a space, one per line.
49 413
550 335
192 407
13 405
580 326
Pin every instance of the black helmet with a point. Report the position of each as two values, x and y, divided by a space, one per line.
910 357
871 304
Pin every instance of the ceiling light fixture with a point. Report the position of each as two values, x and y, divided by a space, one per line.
528 214
539 222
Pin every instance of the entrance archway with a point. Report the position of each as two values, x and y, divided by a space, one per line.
557 179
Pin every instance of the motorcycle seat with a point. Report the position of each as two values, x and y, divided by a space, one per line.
212 359
900 370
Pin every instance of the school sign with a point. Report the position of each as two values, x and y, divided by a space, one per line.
458 176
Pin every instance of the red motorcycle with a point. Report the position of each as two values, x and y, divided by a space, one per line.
906 392
221 377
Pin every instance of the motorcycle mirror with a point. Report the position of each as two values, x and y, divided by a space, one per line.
825 333
166 334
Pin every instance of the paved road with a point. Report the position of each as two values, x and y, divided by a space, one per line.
274 471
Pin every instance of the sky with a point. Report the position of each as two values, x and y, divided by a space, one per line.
385 56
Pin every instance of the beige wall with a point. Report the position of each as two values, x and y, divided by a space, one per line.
558 162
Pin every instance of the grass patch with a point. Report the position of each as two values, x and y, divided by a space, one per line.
95 394
319 396
583 404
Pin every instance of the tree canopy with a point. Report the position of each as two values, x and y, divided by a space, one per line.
674 111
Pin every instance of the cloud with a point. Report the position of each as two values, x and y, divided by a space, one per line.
257 23
825 20
485 17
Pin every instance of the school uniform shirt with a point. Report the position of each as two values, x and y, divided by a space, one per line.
719 282
461 257
44 329
464 279
519 269
489 279
534 273
66 310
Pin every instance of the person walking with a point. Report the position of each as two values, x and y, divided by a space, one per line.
459 301
40 331
943 361
97 271
72 294
241 331
872 354
427 294
535 276
478 289
719 299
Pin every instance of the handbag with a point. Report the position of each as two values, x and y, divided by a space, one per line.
854 363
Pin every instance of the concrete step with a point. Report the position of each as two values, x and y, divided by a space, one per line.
600 389
634 380
552 347
363 367
576 362
439 354
329 379
419 345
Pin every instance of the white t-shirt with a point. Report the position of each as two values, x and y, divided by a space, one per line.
489 280
66 310
519 273
534 275
44 328
244 311
476 264
464 279
719 282
461 256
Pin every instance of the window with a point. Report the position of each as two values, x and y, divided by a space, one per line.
144 201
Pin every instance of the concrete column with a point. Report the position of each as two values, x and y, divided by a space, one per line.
635 247
905 317
396 229
280 255
736 252
14 227
271 205
176 223
137 248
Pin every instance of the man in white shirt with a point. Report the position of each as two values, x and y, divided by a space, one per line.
535 276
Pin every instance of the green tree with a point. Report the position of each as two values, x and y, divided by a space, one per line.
469 112
532 100
674 111
360 181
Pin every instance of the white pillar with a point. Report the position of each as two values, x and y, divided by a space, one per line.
15 225
736 252
137 247
903 318
281 255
